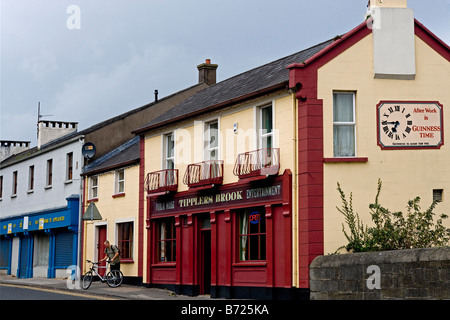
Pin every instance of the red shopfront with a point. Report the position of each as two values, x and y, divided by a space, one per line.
232 241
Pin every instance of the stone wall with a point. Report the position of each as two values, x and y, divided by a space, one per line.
400 274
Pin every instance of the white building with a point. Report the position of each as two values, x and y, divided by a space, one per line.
40 192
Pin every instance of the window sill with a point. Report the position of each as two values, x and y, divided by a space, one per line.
250 264
48 187
349 159
164 264
125 260
118 195
13 196
68 181
92 200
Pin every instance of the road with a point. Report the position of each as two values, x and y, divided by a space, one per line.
15 292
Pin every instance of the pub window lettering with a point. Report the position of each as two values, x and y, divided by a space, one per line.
252 234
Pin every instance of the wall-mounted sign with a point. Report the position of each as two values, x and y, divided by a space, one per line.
410 125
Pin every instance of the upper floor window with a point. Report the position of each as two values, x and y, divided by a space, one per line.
169 151
49 178
31 178
212 140
93 187
14 183
266 132
69 170
1 187
119 181
344 125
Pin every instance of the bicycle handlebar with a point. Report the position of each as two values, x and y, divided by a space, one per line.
89 261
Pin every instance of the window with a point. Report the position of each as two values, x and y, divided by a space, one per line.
93 190
212 140
169 152
119 179
344 124
437 195
166 240
266 127
31 178
252 234
49 172
69 170
1 187
14 183
125 243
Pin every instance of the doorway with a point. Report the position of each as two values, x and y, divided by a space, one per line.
101 238
205 256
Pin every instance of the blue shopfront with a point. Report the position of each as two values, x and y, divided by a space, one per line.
40 243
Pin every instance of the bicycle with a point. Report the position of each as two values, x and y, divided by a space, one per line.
113 278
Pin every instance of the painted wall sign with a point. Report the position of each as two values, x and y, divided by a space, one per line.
235 196
410 125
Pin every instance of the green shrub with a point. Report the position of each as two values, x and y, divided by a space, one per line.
393 230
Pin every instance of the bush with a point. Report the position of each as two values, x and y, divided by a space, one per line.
393 230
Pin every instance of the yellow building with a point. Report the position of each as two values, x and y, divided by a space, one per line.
111 193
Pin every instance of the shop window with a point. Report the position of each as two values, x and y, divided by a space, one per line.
166 240
41 250
93 187
119 181
125 242
344 124
169 151
252 234
69 165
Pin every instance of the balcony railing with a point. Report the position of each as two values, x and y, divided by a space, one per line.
262 162
162 181
204 173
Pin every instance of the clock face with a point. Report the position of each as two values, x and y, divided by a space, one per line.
409 125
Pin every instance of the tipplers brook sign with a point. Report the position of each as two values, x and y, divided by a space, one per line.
233 196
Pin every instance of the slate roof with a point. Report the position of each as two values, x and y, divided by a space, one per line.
126 154
273 75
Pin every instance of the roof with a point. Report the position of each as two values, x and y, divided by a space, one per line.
124 155
263 79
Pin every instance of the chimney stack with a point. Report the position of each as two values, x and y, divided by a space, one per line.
52 130
207 72
9 148
393 39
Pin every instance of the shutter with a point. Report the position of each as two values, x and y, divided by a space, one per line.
5 245
63 249
23 257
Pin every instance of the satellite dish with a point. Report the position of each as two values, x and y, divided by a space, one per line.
88 150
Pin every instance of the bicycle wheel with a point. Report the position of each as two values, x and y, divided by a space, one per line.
87 280
114 278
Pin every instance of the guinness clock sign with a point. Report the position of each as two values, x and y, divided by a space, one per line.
410 125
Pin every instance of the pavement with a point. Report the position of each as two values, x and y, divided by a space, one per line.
99 290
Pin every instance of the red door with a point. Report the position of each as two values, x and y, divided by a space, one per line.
101 248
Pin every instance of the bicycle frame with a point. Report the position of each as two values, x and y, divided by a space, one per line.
113 278
94 270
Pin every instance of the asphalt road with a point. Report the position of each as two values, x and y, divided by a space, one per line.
13 292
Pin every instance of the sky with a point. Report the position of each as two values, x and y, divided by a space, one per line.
86 61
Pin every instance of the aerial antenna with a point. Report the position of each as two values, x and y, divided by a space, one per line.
40 116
